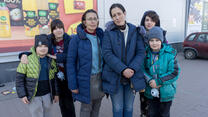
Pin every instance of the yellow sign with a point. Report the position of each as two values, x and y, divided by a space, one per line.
73 28
77 6
30 17
5 29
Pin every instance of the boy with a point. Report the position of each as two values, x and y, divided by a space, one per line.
35 81
161 72
150 19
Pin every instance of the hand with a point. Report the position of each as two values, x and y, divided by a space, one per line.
128 73
56 99
25 100
76 91
158 86
24 59
153 84
51 56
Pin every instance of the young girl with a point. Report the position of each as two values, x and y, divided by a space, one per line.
161 72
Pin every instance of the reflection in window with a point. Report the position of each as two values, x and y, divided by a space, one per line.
191 38
202 38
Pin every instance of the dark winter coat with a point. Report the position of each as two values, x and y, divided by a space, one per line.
117 58
79 64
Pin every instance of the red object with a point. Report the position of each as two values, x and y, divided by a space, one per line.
196 45
80 5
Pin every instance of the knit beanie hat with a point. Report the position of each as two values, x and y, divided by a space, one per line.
155 32
41 40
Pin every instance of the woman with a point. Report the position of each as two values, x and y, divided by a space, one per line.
161 72
149 20
84 65
123 52
58 47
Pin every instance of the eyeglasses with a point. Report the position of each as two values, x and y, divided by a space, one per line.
92 19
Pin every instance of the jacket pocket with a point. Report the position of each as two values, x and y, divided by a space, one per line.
109 77
167 91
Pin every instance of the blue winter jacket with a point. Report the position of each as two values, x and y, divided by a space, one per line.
79 63
117 58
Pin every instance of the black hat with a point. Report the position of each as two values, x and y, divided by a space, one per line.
41 40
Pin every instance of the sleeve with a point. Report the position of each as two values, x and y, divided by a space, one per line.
22 53
164 34
71 63
138 60
110 59
61 57
20 80
56 80
147 76
171 75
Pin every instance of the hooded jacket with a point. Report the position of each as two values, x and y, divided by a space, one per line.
79 63
167 70
28 74
117 58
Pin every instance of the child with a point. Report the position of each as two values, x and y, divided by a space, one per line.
35 81
161 72
149 20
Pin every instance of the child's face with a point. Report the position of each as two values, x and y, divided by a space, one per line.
149 23
58 32
42 50
155 44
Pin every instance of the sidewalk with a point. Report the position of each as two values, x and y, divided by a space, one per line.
8 87
12 106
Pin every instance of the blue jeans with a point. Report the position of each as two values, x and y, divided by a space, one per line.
122 101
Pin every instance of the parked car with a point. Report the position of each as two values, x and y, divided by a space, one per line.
196 45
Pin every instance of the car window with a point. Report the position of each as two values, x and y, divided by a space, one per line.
206 39
202 38
191 38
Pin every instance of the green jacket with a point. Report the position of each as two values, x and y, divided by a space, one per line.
167 70
28 74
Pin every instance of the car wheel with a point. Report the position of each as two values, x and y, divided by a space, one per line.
190 54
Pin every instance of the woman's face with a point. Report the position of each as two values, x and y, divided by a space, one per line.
58 32
91 22
149 23
118 16
155 44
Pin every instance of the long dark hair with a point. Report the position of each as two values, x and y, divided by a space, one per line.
84 16
57 23
118 5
